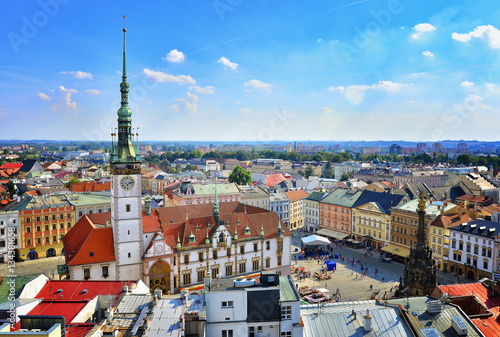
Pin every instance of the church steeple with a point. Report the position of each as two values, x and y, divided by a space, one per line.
123 151
216 208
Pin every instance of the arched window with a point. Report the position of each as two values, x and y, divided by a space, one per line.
222 237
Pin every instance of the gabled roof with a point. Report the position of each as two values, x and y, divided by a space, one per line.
15 166
317 196
80 290
274 179
90 187
385 200
28 165
87 242
296 195
451 220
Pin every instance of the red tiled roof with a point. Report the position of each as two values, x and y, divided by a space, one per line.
490 326
60 308
15 166
82 329
451 220
274 179
474 198
90 187
88 243
296 195
75 290
491 208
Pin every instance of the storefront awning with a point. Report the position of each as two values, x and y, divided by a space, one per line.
396 250
315 240
332 234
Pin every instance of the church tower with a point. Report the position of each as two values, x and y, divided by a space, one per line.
420 270
126 206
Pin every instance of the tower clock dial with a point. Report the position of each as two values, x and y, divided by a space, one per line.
127 183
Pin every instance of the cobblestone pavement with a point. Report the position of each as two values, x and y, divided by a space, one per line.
47 266
349 279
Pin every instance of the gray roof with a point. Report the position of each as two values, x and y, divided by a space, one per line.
484 228
337 320
421 319
342 197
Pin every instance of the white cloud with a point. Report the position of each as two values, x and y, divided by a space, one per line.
246 111
488 33
428 53
388 85
78 74
93 92
334 41
319 40
204 91
192 97
43 97
175 56
340 89
258 85
237 102
174 107
66 104
466 84
159 76
228 64
422 28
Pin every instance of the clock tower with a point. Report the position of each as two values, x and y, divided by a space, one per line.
126 205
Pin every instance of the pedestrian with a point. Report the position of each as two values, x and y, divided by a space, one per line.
383 279
371 286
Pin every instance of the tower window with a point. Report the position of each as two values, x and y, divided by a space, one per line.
129 255
127 207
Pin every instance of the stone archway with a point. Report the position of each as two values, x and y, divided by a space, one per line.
159 276
470 275
51 252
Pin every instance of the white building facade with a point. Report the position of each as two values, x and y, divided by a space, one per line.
9 232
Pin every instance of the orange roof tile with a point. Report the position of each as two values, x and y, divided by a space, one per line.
274 179
296 195
90 187
88 243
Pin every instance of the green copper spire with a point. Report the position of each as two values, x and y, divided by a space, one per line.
124 151
235 233
192 238
178 242
216 208
207 240
262 230
280 234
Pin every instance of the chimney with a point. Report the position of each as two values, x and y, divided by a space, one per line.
367 324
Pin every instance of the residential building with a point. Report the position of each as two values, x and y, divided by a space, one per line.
440 235
473 183
348 167
9 233
311 211
88 203
280 204
496 260
404 225
336 211
254 196
268 308
471 249
30 168
190 193
296 198
371 218
43 221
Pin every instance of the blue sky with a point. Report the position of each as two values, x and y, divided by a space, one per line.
252 70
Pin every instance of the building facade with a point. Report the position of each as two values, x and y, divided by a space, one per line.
336 211
280 204
254 196
9 231
191 194
312 211
471 249
297 199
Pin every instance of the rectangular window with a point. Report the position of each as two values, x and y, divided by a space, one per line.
46 239
227 333
242 250
255 247
80 214
227 304
28 229
279 260
127 207
485 264
215 272
86 273
268 245
54 226
61 226
105 271
242 267
229 270
46 218
46 227
255 264
28 220
61 216
476 249
201 275
37 219
200 257
484 251
54 238
214 254
186 258
228 252
286 334
286 312
53 216
186 278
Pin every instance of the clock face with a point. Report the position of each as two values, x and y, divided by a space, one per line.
127 183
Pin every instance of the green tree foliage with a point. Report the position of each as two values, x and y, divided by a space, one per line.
309 172
328 171
11 187
73 180
240 176
346 176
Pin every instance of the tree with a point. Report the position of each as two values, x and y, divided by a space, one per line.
240 176
11 188
6 151
346 176
309 172
73 180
